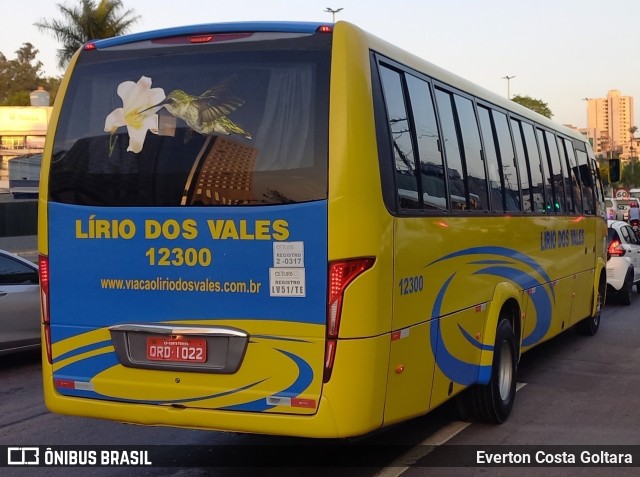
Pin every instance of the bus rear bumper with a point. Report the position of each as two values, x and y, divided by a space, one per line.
352 403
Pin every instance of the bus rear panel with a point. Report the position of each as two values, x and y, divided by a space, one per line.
187 229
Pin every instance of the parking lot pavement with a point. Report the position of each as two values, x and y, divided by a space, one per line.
26 246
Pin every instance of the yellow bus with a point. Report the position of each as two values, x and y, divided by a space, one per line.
300 229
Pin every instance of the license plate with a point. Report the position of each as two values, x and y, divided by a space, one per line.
178 349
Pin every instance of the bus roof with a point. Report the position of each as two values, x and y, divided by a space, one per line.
230 27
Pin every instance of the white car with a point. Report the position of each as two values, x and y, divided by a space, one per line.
19 304
623 263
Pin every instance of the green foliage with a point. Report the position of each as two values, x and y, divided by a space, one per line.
90 20
51 84
19 98
603 166
20 76
536 105
630 176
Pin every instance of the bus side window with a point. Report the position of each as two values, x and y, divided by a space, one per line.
523 166
566 151
455 173
432 178
558 174
405 168
496 187
508 168
472 149
553 204
586 179
540 198
597 186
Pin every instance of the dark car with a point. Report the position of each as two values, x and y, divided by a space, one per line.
19 304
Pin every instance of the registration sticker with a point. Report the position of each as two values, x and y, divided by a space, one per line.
179 349
287 282
288 254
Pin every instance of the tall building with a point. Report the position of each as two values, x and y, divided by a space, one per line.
609 121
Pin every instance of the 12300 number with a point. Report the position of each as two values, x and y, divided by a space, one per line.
410 285
177 257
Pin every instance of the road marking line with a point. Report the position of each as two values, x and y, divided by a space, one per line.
441 436
427 446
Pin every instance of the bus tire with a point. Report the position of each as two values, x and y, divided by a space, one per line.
589 326
493 402
460 408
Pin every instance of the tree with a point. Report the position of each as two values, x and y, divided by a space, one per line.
22 75
632 150
630 176
536 105
90 20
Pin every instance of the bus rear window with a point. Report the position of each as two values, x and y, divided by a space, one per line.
233 124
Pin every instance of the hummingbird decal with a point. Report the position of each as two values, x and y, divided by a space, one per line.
208 112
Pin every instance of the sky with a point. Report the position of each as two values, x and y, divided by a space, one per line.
558 51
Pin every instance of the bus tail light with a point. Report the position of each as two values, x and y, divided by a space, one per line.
616 249
43 263
341 274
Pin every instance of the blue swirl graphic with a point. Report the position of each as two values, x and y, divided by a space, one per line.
500 251
96 364
95 395
302 382
456 369
504 266
83 349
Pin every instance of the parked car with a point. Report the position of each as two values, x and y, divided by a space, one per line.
618 209
19 304
623 261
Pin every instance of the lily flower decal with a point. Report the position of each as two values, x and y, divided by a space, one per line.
138 113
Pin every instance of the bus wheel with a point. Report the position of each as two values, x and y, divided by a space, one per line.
589 326
493 402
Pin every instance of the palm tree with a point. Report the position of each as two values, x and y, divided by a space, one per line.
90 20
632 131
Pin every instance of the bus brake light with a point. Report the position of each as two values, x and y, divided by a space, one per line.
43 270
200 38
341 274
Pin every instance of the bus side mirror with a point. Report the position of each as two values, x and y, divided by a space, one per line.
614 170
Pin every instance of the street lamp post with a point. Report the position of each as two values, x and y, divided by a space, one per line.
333 12
508 78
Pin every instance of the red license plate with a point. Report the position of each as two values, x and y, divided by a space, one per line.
177 349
